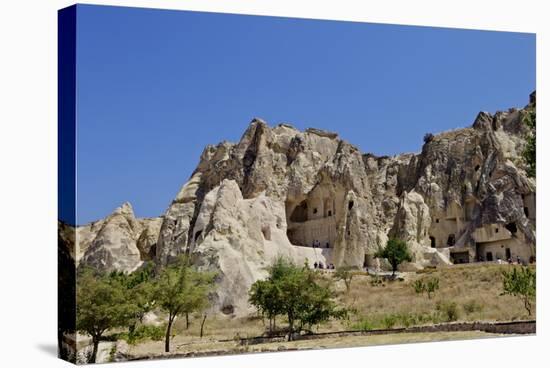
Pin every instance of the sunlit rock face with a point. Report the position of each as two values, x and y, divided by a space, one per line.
316 198
120 242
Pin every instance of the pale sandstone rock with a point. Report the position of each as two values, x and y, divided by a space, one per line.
279 190
113 242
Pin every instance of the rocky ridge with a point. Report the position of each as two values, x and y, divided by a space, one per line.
279 189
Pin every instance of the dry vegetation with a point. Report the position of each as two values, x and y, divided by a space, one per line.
475 290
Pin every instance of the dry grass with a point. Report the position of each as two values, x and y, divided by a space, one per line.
475 289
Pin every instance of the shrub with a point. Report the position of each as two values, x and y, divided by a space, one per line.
376 281
363 325
431 286
449 310
408 320
419 286
389 321
472 306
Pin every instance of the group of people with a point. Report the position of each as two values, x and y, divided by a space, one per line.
321 266
317 244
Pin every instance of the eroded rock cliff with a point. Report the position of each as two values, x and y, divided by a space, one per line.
314 197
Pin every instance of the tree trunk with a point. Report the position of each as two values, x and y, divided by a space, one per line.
186 321
290 329
202 324
168 330
132 328
95 341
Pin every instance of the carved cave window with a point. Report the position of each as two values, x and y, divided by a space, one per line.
451 240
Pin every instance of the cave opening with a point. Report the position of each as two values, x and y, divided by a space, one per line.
311 222
451 240
197 234
299 214
266 232
511 227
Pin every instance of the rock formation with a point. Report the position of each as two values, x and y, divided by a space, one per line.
119 242
279 191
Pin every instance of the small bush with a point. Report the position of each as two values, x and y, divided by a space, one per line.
389 321
376 281
363 325
431 286
449 310
472 306
419 286
408 320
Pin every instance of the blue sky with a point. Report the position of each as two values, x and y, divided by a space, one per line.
155 86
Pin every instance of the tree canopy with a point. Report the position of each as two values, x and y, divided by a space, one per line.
296 292
522 284
102 304
396 252
180 289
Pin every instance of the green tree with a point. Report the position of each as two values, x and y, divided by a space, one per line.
180 289
140 292
296 292
530 152
346 274
264 295
396 252
102 304
521 284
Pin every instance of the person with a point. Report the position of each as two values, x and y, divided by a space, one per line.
328 245
315 265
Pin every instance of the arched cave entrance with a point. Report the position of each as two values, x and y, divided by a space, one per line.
312 222
299 214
